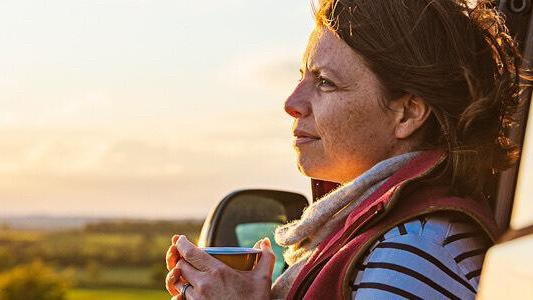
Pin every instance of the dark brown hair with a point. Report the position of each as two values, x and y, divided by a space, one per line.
459 59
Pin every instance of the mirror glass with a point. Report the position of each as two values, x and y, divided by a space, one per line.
247 208
249 233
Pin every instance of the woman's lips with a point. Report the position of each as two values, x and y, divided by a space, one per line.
300 140
304 137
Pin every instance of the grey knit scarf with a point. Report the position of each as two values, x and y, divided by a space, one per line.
322 217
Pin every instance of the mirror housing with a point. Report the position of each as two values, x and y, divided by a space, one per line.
249 206
244 217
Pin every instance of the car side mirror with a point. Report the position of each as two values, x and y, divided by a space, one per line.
246 216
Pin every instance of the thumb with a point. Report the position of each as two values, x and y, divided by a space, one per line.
267 260
257 244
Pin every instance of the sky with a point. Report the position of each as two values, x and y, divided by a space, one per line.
146 108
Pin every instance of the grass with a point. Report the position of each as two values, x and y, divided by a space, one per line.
128 275
119 275
117 265
117 294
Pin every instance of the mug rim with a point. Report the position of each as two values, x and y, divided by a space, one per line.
231 250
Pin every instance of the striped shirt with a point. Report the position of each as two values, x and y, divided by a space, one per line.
435 257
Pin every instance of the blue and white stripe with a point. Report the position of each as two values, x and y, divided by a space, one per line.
438 257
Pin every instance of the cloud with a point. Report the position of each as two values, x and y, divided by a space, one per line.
266 70
21 110
96 172
197 152
91 122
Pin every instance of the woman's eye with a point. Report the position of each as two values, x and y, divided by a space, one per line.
325 84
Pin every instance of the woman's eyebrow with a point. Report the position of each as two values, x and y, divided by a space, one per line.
317 69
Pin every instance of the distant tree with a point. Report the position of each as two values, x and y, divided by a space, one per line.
159 273
7 260
187 227
33 281
93 270
142 253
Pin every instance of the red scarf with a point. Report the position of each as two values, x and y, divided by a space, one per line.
327 272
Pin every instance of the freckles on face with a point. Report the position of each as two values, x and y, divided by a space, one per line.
353 128
338 100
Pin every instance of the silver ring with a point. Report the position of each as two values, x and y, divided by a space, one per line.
183 290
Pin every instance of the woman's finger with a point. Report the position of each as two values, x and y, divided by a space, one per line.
175 239
178 297
197 257
190 293
172 257
267 260
189 273
172 277
257 244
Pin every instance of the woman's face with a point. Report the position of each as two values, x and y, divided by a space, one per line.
340 128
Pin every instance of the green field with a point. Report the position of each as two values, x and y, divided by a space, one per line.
117 294
109 260
123 276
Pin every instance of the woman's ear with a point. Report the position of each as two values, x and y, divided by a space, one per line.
410 114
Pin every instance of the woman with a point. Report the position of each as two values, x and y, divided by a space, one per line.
406 104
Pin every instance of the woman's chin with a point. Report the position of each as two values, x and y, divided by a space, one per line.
313 171
306 169
319 172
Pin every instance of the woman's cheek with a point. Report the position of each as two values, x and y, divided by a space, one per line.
328 123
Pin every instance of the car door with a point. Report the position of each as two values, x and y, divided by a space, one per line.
508 267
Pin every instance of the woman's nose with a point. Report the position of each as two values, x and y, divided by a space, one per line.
297 105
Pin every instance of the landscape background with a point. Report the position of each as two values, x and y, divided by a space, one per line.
123 122
90 258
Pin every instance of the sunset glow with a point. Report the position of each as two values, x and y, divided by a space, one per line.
145 108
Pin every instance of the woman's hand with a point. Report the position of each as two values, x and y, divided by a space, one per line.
212 279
